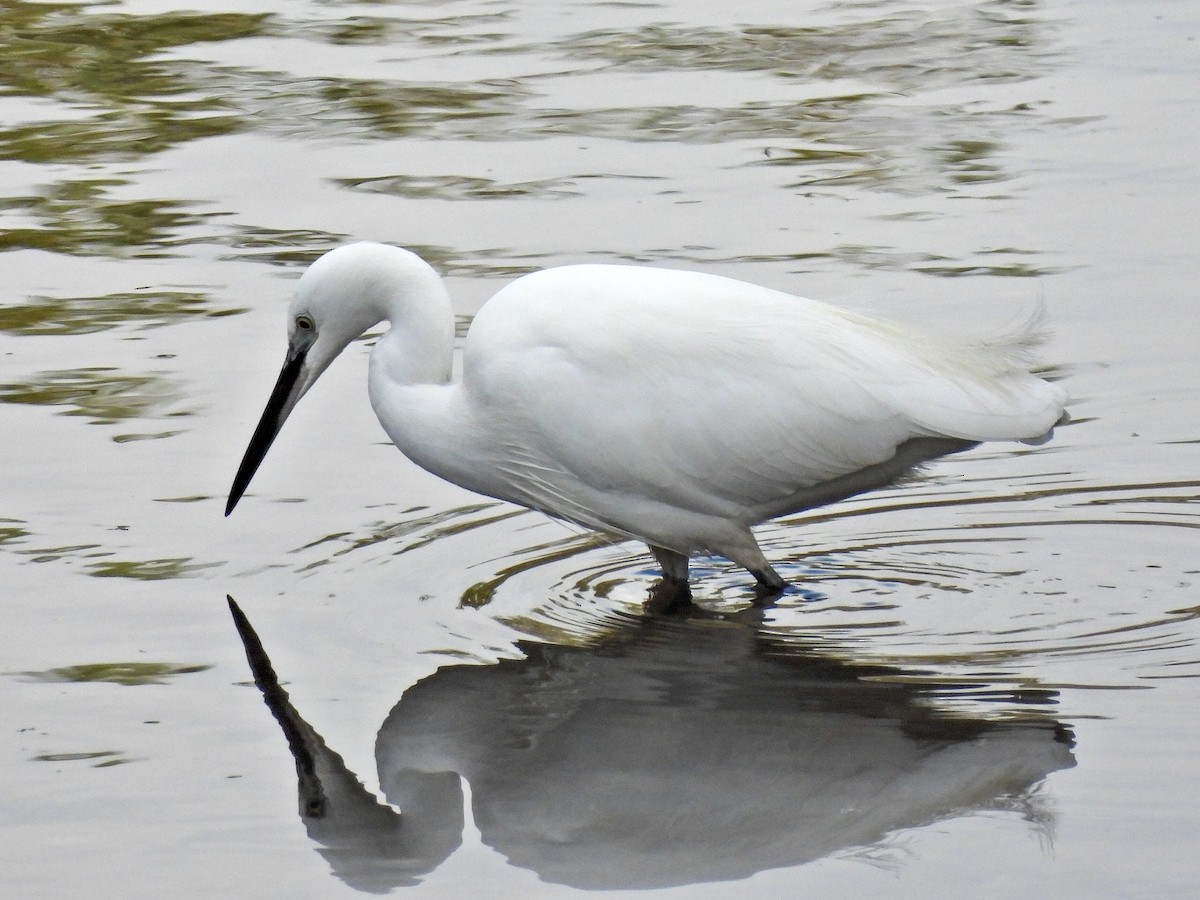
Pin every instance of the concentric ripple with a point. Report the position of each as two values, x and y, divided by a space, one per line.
974 581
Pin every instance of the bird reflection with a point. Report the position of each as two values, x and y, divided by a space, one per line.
687 748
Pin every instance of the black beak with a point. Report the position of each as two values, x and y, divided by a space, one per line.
283 398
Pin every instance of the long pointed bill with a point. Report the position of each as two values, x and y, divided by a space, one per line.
287 391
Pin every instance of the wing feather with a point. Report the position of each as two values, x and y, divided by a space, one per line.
719 396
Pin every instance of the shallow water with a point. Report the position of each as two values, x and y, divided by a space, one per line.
983 680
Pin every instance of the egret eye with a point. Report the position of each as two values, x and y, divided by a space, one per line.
305 323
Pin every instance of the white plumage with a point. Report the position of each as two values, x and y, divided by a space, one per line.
674 407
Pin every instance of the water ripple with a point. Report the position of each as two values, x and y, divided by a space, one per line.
976 581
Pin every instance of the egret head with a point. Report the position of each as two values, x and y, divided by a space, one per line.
338 297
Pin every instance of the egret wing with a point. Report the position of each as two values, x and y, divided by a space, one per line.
711 394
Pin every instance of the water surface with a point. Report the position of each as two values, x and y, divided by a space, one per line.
983 678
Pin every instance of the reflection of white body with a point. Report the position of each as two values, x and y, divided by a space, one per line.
675 407
680 751
688 755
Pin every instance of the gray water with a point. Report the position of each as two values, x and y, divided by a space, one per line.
983 682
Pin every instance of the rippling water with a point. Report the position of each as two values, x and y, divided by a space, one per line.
985 676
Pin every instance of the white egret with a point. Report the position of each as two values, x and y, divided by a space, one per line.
674 407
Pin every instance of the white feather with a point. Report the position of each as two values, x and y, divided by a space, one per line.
677 407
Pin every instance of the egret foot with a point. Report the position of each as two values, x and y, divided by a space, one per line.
769 584
669 596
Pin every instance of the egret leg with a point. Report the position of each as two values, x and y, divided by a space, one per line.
750 558
769 585
768 579
672 594
673 563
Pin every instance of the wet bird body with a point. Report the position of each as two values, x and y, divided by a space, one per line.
678 408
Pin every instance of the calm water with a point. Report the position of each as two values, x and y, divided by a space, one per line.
984 682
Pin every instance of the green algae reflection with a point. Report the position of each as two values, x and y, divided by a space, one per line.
85 315
11 530
97 393
112 64
905 49
126 673
82 218
106 758
863 107
148 569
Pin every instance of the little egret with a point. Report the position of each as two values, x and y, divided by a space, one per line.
677 408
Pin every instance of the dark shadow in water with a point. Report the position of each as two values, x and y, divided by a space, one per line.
687 749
